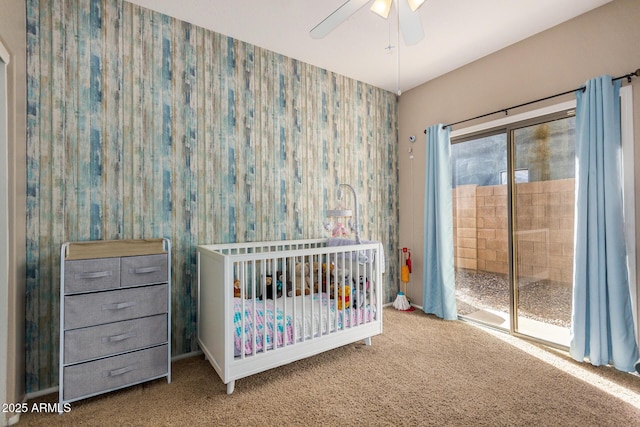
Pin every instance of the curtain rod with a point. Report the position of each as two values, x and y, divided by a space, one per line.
636 73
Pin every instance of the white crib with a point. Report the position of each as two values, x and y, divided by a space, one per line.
339 302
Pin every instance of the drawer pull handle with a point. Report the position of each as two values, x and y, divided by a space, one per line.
121 337
94 275
144 270
119 305
121 371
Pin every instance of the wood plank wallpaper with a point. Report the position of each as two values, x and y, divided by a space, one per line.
141 125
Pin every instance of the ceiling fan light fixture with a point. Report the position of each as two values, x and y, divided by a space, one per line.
382 7
415 4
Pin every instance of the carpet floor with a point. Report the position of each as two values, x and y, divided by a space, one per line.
420 371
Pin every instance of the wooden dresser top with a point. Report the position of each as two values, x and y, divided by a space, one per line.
113 248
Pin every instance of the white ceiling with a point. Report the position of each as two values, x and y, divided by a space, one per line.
457 32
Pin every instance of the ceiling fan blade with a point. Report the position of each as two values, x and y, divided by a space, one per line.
410 24
340 15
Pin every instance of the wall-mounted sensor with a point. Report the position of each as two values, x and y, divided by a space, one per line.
412 138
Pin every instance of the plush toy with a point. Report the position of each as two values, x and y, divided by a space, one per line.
360 291
342 275
315 266
344 293
323 278
317 275
357 298
236 289
270 285
330 266
281 281
302 279
362 283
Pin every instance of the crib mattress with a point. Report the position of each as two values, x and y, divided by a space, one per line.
315 315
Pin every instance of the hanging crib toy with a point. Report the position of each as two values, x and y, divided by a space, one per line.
337 226
343 224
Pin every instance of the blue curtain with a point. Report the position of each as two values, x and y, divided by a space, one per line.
439 285
601 322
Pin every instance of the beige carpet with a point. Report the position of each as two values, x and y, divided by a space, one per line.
421 371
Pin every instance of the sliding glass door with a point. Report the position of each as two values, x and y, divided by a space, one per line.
480 206
513 198
543 197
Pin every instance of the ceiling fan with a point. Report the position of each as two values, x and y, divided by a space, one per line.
410 24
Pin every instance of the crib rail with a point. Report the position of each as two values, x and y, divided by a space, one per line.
247 248
291 298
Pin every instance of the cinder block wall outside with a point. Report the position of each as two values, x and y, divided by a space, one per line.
544 224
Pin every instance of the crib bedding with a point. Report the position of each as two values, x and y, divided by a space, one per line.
315 315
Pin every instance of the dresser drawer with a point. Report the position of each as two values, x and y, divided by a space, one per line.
91 275
143 270
106 340
113 372
113 306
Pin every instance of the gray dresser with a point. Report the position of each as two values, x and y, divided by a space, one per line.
115 315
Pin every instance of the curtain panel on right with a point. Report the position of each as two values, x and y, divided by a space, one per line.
602 328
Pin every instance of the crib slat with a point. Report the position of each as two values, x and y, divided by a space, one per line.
323 290
335 291
285 278
274 290
242 307
305 298
293 313
263 273
254 295
341 293
355 291
349 282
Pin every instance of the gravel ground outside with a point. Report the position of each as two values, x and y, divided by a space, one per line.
543 300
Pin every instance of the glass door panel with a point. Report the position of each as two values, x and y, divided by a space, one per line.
480 209
543 209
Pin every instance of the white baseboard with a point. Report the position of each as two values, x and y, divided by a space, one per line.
40 393
13 420
187 355
389 304
9 421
